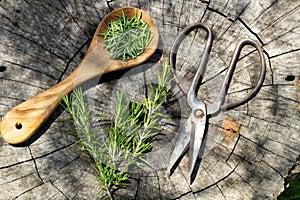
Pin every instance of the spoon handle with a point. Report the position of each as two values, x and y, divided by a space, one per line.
20 123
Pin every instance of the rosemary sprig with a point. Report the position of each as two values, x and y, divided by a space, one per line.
127 38
113 150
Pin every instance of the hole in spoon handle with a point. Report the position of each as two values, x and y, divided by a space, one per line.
18 125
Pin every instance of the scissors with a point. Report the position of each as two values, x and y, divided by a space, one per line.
193 135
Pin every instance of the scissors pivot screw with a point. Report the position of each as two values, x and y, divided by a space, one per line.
193 136
198 113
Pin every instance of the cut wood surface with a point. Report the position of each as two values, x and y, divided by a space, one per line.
255 146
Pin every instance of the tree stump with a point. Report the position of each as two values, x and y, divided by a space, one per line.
256 145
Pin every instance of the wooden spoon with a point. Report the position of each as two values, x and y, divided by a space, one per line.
20 123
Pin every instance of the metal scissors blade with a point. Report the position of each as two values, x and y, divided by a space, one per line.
198 129
190 138
193 135
181 145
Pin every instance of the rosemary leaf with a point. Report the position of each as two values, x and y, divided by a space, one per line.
124 144
127 38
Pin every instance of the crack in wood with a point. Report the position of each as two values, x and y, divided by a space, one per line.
96 10
33 42
15 15
61 192
256 117
250 87
79 50
35 165
284 53
20 195
271 167
219 188
258 17
25 83
87 19
158 182
214 76
50 25
280 17
262 147
26 67
270 66
53 196
276 94
243 159
246 181
205 10
251 31
270 121
182 195
277 38
138 180
73 160
37 14
218 181
38 157
180 13
230 129
220 13
34 59
278 103
108 4
286 145
205 1
15 164
74 19
233 149
18 178
190 191
295 168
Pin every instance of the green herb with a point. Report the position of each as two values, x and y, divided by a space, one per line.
127 38
292 192
125 142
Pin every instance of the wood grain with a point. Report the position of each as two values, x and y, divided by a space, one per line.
20 123
41 43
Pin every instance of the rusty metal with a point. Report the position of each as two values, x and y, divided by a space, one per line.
194 132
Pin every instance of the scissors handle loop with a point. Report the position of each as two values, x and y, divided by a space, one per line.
191 94
223 92
219 102
193 135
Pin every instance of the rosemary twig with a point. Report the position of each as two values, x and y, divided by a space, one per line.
124 144
127 38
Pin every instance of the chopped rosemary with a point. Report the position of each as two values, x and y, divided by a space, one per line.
123 144
127 38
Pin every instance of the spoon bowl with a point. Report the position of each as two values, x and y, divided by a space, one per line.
20 123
